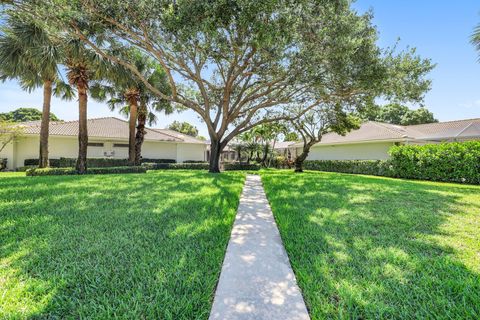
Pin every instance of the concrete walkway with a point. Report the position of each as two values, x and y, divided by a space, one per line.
257 281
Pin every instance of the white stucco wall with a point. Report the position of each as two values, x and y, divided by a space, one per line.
363 151
67 147
188 151
8 153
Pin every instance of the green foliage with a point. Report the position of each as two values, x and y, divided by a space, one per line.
291 136
395 113
455 162
449 162
378 248
370 167
184 127
9 133
93 162
25 114
476 39
3 164
176 166
73 171
241 166
141 246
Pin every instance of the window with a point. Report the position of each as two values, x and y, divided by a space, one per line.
120 145
95 144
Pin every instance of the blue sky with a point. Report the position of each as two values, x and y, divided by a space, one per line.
439 29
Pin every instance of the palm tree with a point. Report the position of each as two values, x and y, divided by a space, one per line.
29 55
476 38
83 67
126 92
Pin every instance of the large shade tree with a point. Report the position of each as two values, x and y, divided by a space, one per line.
237 64
29 55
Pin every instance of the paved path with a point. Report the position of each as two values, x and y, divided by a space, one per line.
257 281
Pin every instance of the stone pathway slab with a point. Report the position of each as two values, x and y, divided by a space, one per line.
257 281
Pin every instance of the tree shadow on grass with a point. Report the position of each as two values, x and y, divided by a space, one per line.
366 247
129 246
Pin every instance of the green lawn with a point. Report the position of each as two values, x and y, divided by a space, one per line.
376 248
137 246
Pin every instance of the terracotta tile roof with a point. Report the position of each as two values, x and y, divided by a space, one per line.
109 127
440 131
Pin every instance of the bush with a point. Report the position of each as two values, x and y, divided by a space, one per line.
371 167
241 166
25 168
3 164
176 166
453 162
93 162
72 171
194 161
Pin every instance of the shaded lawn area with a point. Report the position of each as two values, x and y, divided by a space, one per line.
131 246
369 247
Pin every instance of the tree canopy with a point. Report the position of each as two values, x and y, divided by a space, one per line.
476 39
240 64
25 114
184 127
395 113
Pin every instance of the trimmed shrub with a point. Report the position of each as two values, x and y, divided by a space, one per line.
25 168
93 162
370 167
3 164
72 171
452 162
194 161
241 166
176 166
146 160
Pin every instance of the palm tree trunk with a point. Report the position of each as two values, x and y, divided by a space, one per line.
81 165
44 126
140 136
132 121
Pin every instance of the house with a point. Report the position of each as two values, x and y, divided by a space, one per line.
373 139
107 138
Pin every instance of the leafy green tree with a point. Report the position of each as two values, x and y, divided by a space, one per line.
239 64
291 136
184 127
9 132
25 114
30 56
395 113
126 92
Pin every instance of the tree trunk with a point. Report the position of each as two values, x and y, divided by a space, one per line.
81 165
140 136
44 127
215 152
132 121
301 158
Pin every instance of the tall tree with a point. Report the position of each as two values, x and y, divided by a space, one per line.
396 113
29 55
238 64
83 66
25 114
125 91
184 127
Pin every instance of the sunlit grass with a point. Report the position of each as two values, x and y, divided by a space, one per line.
137 246
377 248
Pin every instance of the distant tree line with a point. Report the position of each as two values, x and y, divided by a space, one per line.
25 114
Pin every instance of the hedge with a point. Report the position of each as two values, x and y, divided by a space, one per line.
452 162
72 171
240 166
447 162
3 164
371 167
93 162
176 166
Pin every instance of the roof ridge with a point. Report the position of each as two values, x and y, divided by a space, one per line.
449 121
389 126
158 130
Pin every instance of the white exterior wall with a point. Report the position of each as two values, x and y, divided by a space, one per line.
8 153
187 151
67 147
360 151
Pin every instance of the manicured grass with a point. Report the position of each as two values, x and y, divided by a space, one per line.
137 246
377 248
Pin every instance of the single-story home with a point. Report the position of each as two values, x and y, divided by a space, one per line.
107 138
373 139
